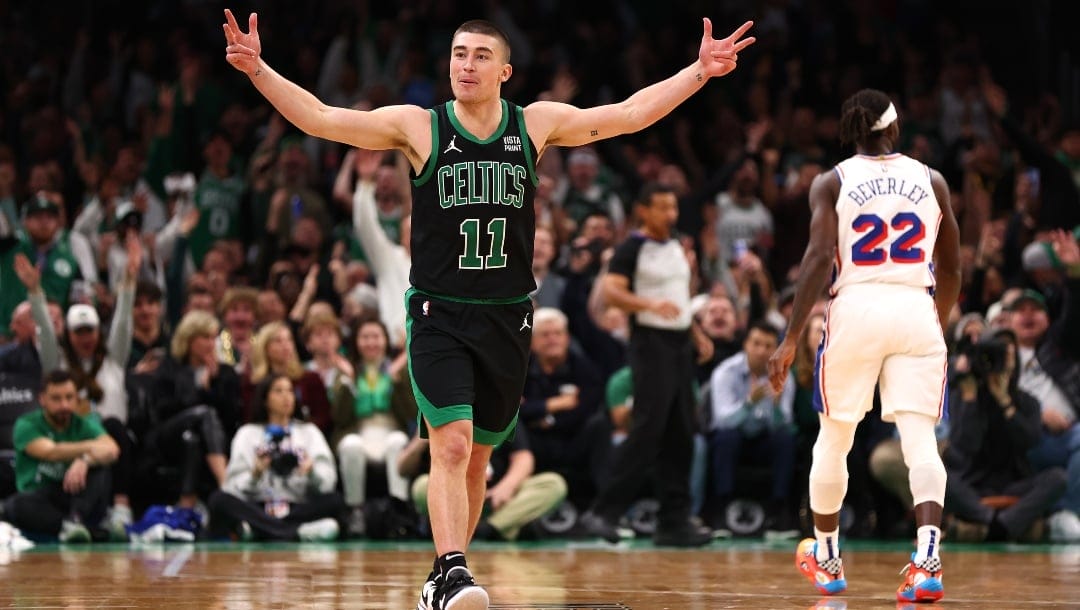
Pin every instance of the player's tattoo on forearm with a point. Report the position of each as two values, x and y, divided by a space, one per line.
594 133
258 71
698 76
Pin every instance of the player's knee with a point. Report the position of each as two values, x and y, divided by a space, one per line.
450 447
928 479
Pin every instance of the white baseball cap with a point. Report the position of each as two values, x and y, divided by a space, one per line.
82 316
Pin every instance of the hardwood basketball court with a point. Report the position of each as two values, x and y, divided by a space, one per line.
548 576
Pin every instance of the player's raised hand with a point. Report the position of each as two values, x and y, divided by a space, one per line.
719 57
242 50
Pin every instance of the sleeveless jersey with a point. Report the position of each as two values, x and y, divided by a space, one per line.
889 219
473 221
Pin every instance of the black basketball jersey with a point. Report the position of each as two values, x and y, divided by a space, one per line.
472 214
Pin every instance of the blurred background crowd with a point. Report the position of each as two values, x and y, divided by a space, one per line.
226 293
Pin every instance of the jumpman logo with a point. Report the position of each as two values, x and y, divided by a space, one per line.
452 145
525 323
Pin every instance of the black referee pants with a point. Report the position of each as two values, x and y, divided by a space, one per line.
660 442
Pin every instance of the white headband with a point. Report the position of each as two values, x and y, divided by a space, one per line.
886 119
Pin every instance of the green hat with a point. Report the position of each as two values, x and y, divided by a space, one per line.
1033 296
38 203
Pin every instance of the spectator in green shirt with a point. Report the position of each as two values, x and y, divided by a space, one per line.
60 466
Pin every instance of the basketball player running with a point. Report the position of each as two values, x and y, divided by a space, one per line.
877 218
473 161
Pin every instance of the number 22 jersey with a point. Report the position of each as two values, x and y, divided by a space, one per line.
473 221
888 222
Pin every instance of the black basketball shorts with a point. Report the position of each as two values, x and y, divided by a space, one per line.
468 360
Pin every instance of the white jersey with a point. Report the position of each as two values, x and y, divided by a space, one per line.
889 219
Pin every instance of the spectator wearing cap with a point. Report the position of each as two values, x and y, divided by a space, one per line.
129 221
1043 268
148 329
98 369
44 242
1049 360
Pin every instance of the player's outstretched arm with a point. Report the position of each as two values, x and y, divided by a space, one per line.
565 125
384 128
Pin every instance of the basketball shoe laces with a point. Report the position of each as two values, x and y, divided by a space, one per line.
929 568
453 582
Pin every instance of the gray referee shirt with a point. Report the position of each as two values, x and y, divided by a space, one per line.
657 270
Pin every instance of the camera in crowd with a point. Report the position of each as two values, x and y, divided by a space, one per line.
987 356
284 458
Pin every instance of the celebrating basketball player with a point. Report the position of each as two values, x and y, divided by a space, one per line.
883 224
474 177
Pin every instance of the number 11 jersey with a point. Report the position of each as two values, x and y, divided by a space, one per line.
888 222
473 220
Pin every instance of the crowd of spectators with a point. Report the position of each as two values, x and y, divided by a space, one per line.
226 294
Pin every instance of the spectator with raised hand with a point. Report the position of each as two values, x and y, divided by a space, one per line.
1049 361
280 479
1059 194
390 261
148 326
34 326
43 241
97 366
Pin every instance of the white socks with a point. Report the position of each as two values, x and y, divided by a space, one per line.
828 544
929 543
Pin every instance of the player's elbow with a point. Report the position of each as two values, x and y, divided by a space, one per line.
817 260
632 118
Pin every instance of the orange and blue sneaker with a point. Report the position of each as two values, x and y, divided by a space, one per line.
827 576
923 582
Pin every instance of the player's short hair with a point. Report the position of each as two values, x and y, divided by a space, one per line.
487 28
858 115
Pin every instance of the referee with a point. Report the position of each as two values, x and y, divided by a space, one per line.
649 278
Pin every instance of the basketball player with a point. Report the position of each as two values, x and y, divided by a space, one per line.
469 317
883 223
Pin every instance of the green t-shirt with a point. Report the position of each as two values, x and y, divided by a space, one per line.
32 473
58 270
219 208
620 389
